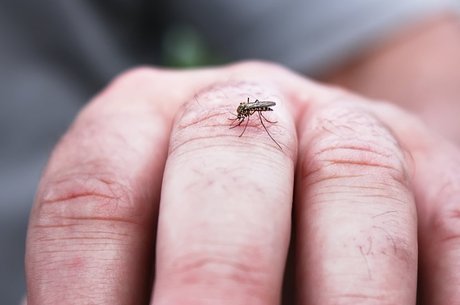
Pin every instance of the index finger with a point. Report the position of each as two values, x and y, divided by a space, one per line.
91 230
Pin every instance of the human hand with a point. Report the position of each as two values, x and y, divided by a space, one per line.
363 171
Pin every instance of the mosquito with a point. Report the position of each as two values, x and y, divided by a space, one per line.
246 109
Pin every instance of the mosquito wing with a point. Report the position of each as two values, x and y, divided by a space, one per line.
258 104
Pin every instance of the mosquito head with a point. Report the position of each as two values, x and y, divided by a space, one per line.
241 108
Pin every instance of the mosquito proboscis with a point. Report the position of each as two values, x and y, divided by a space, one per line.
246 109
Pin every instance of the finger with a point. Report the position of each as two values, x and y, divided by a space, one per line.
92 226
356 220
437 189
438 196
224 221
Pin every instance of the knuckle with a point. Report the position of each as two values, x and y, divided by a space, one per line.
439 193
445 222
77 198
82 222
353 158
348 142
133 81
209 118
218 269
202 119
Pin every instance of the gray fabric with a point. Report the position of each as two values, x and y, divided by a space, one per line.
310 36
54 55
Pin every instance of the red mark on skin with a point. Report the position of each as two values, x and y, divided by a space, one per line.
76 263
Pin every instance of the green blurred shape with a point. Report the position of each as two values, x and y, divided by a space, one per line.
183 47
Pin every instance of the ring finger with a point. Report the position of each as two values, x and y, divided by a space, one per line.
356 217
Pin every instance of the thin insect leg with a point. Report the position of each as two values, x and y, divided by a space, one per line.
262 122
267 119
233 115
239 123
245 126
233 121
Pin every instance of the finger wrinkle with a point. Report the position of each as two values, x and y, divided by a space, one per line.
96 219
81 238
356 195
362 148
89 178
361 298
342 167
351 143
221 272
202 142
101 190
355 151
52 249
190 270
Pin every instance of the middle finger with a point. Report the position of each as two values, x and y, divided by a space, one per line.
226 202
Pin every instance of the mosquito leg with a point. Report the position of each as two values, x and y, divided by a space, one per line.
233 121
245 126
262 122
233 115
273 122
239 123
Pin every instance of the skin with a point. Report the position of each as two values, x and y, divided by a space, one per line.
150 174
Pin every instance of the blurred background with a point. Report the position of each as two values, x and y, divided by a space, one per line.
55 55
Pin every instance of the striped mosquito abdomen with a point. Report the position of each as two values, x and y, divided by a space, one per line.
264 108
